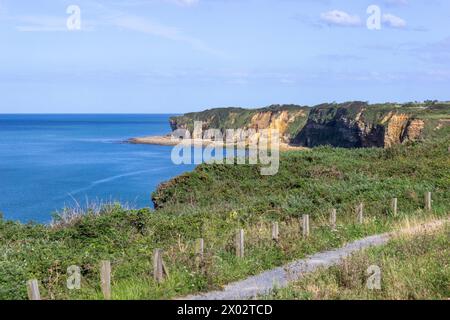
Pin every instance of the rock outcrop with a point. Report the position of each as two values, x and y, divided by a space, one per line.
288 119
348 125
359 125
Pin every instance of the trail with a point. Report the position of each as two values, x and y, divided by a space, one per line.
280 277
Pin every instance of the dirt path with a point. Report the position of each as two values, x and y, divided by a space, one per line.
280 277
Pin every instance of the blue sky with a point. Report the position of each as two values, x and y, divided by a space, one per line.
174 56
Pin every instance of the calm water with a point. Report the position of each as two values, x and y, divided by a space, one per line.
48 161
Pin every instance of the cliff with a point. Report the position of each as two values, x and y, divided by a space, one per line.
288 119
358 124
349 125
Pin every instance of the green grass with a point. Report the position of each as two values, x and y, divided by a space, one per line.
212 202
373 114
412 267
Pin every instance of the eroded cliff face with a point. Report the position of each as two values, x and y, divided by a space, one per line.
348 125
355 126
289 120
402 128
280 121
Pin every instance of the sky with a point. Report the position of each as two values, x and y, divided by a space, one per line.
176 56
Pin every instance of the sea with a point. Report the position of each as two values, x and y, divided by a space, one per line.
52 161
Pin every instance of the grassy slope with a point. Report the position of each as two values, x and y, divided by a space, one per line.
412 267
212 202
374 113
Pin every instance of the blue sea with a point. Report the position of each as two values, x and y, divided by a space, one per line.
51 161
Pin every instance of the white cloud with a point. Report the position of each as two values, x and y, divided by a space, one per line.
344 19
117 19
393 21
139 24
340 18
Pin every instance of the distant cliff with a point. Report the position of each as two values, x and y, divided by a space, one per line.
288 119
349 125
358 124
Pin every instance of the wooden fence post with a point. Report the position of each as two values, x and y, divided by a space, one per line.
333 219
360 213
33 290
240 243
275 231
394 206
158 266
105 279
199 251
200 247
428 201
305 225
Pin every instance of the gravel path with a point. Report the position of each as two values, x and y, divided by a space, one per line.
280 277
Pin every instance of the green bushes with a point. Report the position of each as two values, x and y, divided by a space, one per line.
212 202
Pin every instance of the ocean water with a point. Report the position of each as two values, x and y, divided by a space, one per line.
50 161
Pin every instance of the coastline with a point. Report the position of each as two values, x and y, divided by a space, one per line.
167 140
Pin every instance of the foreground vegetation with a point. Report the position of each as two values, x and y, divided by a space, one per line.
212 202
412 266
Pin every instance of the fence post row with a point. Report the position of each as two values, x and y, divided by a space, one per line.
160 270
